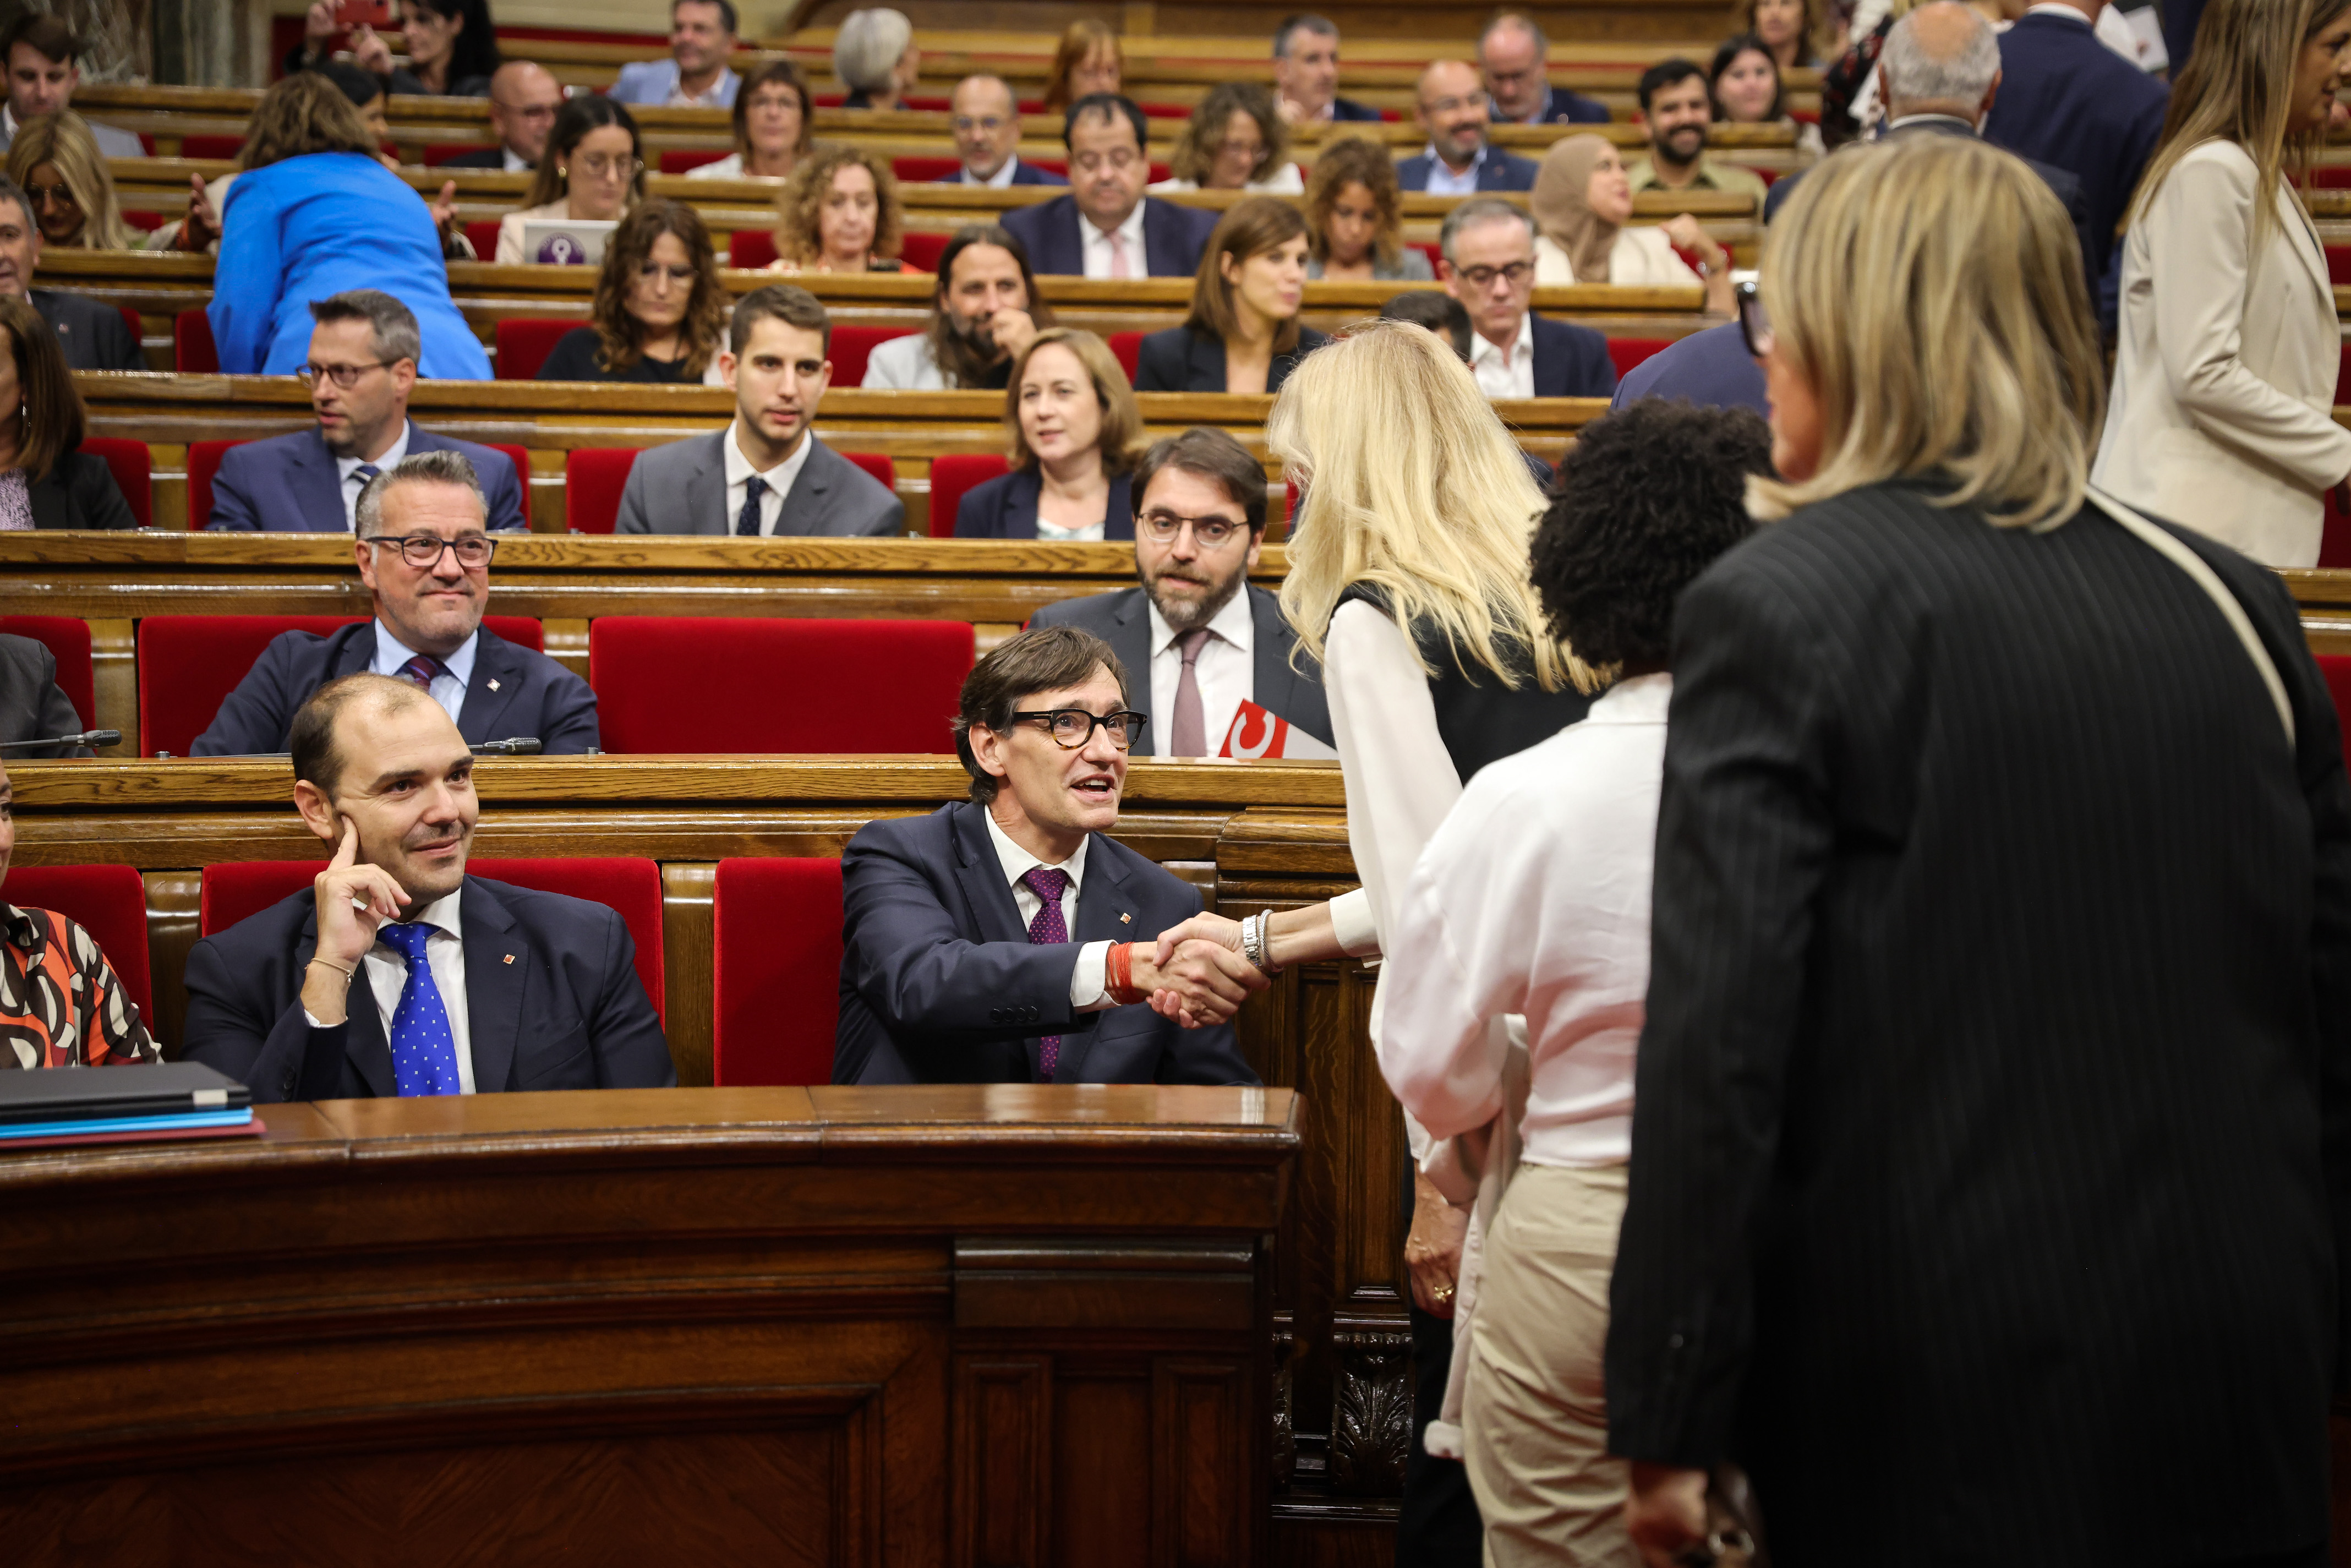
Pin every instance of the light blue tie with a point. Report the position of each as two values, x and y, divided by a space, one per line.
423 1051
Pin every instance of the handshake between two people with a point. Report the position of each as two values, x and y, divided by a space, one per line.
1196 974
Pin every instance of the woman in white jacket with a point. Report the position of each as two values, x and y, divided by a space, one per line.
2222 415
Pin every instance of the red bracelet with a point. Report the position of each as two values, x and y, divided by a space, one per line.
1118 974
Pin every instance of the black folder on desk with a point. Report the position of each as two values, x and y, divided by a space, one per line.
118 1093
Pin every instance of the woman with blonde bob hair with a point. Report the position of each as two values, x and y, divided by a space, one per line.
2000 951
2224 378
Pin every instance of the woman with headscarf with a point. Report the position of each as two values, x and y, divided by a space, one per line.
1580 200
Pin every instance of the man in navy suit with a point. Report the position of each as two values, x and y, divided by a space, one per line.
362 367
1106 227
1515 56
1008 940
2065 98
1198 635
1487 248
1306 74
1711 368
396 973
1451 106
524 97
986 125
425 559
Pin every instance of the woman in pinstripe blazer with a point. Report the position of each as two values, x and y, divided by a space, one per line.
1994 1102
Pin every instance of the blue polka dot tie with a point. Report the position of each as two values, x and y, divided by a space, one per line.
1049 929
423 1051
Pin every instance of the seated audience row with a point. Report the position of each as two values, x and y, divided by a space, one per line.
450 45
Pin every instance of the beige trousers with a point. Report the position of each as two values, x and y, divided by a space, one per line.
1535 1417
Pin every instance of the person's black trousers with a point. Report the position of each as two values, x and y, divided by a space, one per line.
1437 1526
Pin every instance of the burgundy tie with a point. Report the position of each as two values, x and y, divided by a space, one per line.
424 670
1048 930
1188 737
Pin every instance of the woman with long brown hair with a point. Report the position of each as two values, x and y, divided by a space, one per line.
2224 383
593 170
1243 334
1088 60
47 481
660 312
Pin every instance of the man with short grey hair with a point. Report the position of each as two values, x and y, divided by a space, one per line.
423 552
1306 73
986 119
362 366
1515 58
1937 75
1488 245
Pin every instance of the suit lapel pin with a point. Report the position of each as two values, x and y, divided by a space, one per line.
494 685
509 957
1126 920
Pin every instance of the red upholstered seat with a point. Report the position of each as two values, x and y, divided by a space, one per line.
484 237
135 322
1630 351
751 249
853 346
67 637
2337 670
950 477
147 222
2343 375
2331 176
204 461
238 889
593 477
2335 535
2339 264
1127 348
520 458
776 970
214 145
935 102
133 472
189 664
721 683
110 902
193 353
921 249
525 341
679 160
921 170
439 153
885 472
1430 249
1159 111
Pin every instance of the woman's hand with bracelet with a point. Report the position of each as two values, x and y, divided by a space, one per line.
1200 982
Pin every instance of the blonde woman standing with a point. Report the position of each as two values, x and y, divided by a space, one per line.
2224 382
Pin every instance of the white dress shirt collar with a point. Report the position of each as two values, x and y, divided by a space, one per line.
1002 179
347 471
2049 8
716 96
1097 245
1017 863
1501 373
1966 125
1443 180
1234 623
1224 671
448 690
513 162
779 479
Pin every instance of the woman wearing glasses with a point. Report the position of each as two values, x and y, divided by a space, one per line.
314 213
55 164
594 171
773 118
840 214
1583 204
660 312
45 482
1243 335
1236 142
1074 428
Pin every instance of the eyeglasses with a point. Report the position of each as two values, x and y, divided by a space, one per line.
609 167
44 194
528 111
1754 321
1211 533
1518 272
424 550
964 125
1252 150
1075 726
344 375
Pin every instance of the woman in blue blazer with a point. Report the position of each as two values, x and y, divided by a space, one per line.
1075 430
314 213
1243 334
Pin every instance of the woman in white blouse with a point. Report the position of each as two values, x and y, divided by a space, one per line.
1582 201
1234 141
2221 414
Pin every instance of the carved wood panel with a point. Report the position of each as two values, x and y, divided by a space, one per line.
1004 1452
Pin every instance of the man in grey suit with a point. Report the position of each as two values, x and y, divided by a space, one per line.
765 475
1201 637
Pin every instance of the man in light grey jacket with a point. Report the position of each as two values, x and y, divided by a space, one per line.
765 475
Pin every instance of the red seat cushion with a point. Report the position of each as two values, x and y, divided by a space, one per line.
1431 249
189 664
211 145
2335 535
439 153
2337 670
954 474
133 470
885 472
921 249
593 477
193 353
110 902
720 684
520 458
1127 349
2338 265
680 159
2331 176
1630 351
239 890
921 170
135 322
853 346
146 222
525 341
484 237
204 461
67 637
751 249
776 970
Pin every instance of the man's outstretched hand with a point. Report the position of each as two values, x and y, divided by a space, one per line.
1195 982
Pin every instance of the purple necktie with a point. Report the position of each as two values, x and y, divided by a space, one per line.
423 671
1048 930
1188 737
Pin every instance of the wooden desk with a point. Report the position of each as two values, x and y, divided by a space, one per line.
855 1326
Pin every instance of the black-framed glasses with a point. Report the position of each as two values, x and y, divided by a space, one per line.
424 550
1754 321
1073 727
1516 273
342 375
1209 533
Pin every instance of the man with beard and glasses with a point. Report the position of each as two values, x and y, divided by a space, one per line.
362 366
986 311
395 973
1209 639
1676 109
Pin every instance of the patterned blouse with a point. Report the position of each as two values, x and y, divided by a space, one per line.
60 1003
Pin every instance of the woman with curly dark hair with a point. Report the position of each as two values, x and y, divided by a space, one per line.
1355 220
660 312
840 213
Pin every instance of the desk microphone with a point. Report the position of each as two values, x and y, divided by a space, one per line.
93 737
517 746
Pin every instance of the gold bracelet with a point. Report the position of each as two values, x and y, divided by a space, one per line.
338 968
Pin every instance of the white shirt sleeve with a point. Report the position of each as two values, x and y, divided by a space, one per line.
1089 987
1352 924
